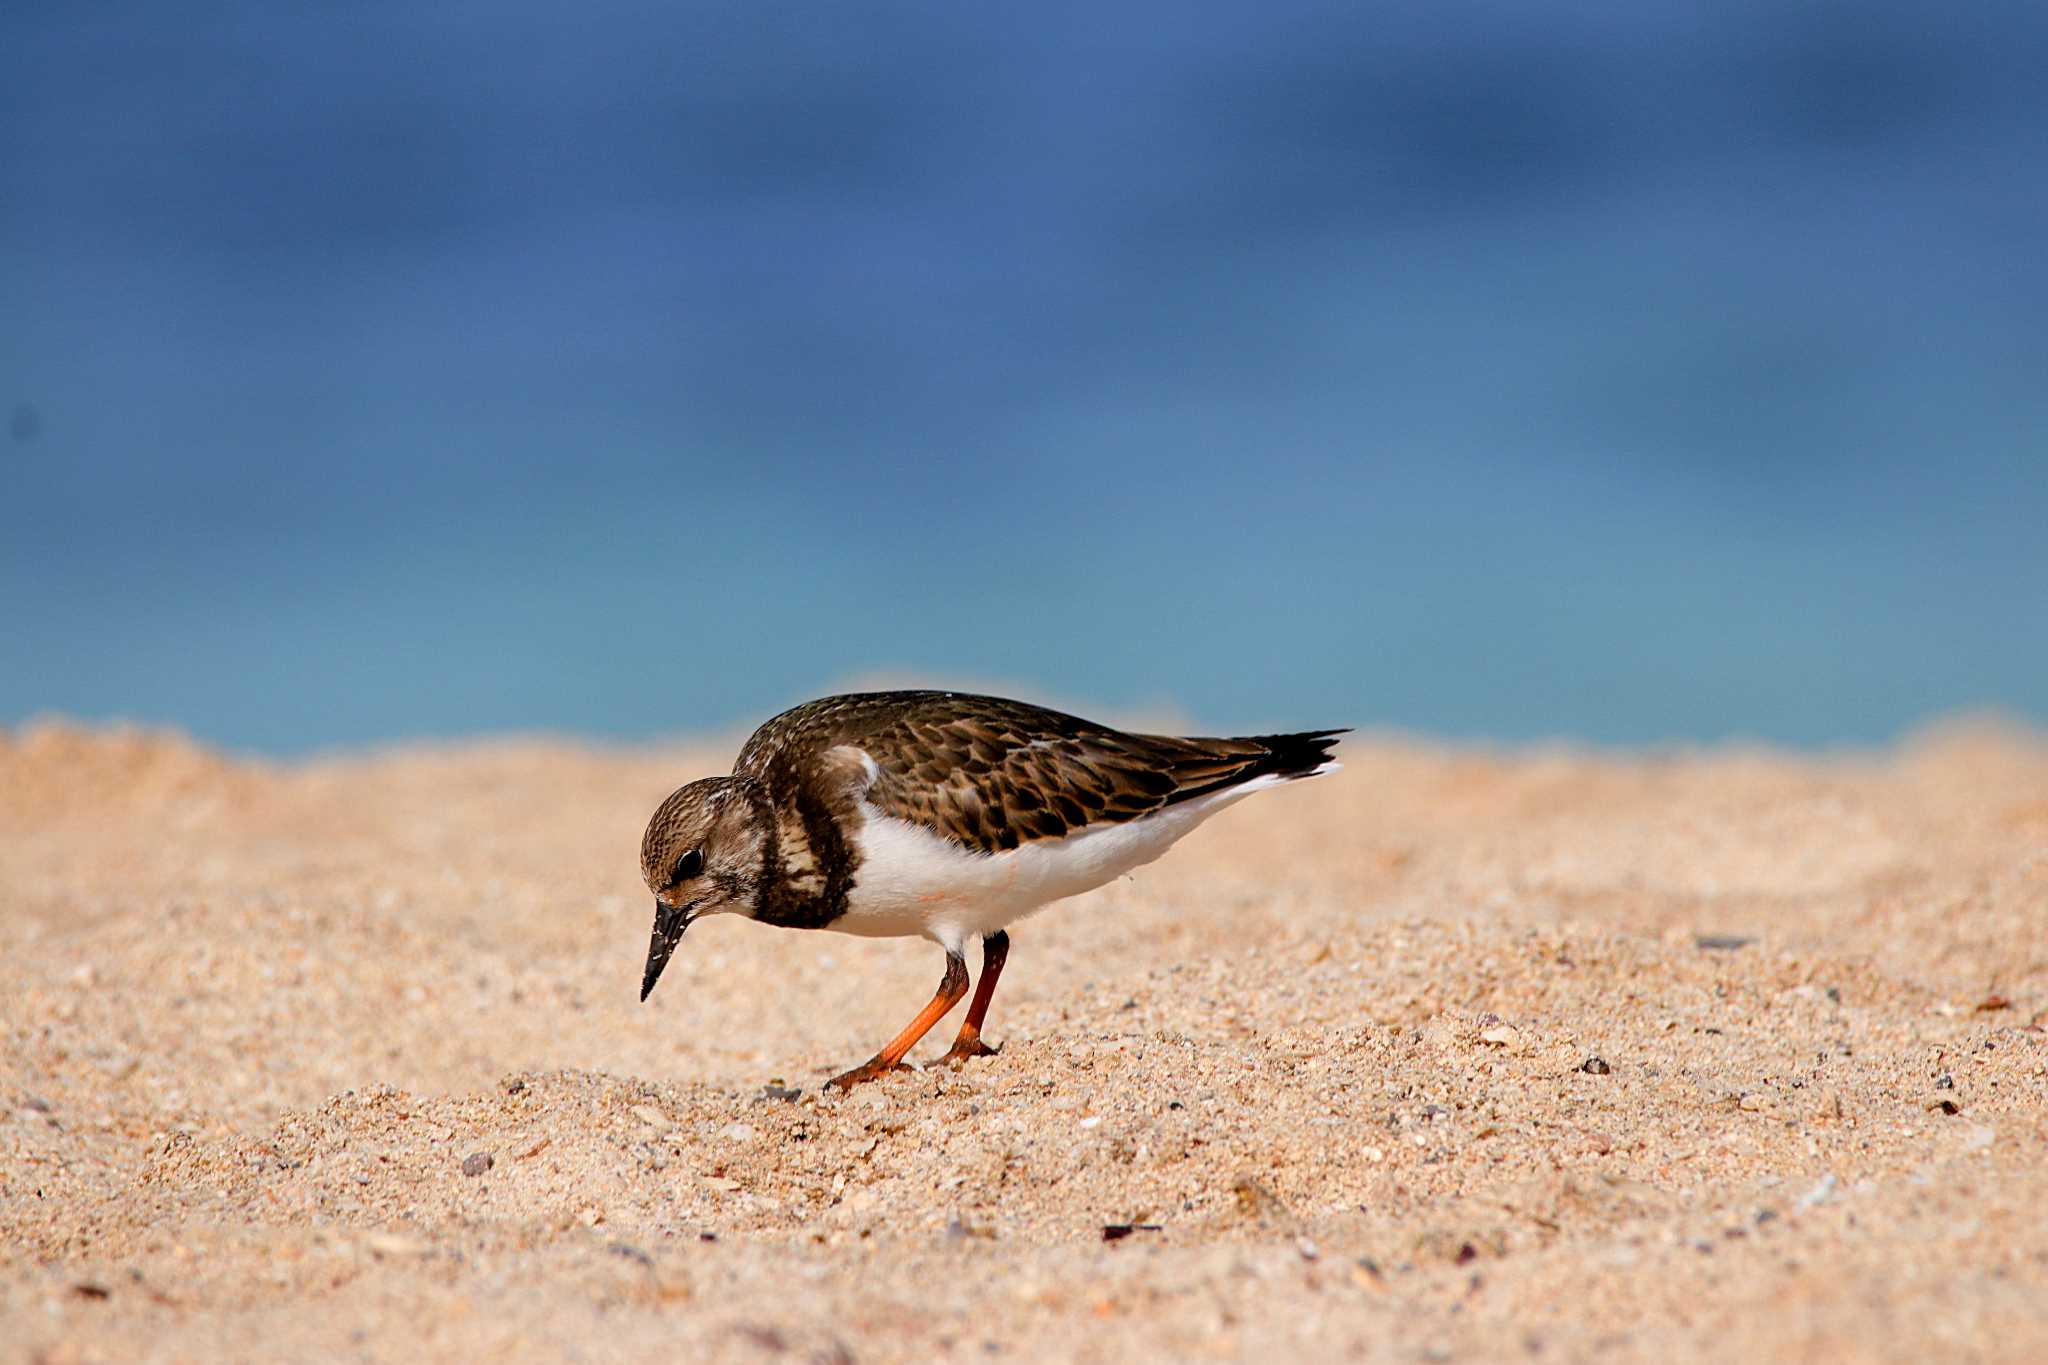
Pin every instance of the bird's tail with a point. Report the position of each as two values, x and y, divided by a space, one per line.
1203 767
1302 755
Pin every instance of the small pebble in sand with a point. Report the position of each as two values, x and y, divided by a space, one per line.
1116 1232
1595 1066
1256 1200
1944 1081
1495 1031
1822 1191
476 1163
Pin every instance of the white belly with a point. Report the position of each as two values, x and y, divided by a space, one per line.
912 881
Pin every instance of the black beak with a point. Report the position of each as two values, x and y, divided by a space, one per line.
669 924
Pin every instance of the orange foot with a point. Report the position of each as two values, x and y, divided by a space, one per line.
871 1070
966 1046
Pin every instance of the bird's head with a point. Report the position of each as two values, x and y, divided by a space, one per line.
701 856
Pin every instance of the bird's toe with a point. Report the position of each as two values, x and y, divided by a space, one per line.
872 1070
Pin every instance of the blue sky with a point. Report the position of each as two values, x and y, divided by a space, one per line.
1628 373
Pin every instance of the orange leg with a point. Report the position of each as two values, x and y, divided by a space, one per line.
994 950
889 1058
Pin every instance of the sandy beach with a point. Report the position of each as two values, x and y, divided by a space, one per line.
1462 1054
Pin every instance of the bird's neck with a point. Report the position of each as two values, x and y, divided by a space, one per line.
807 856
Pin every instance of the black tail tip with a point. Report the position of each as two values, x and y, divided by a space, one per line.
1301 755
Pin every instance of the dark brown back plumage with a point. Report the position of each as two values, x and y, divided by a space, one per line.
991 773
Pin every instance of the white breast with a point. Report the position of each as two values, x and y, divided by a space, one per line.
912 881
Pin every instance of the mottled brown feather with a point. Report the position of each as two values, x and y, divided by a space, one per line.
990 773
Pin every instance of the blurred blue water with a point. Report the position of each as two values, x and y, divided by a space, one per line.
1615 370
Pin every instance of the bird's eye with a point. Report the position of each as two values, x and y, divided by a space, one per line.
688 866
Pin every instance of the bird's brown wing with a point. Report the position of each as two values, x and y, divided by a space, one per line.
992 774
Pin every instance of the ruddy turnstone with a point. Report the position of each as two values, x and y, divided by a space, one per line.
940 814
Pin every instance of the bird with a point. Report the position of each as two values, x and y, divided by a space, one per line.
939 814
